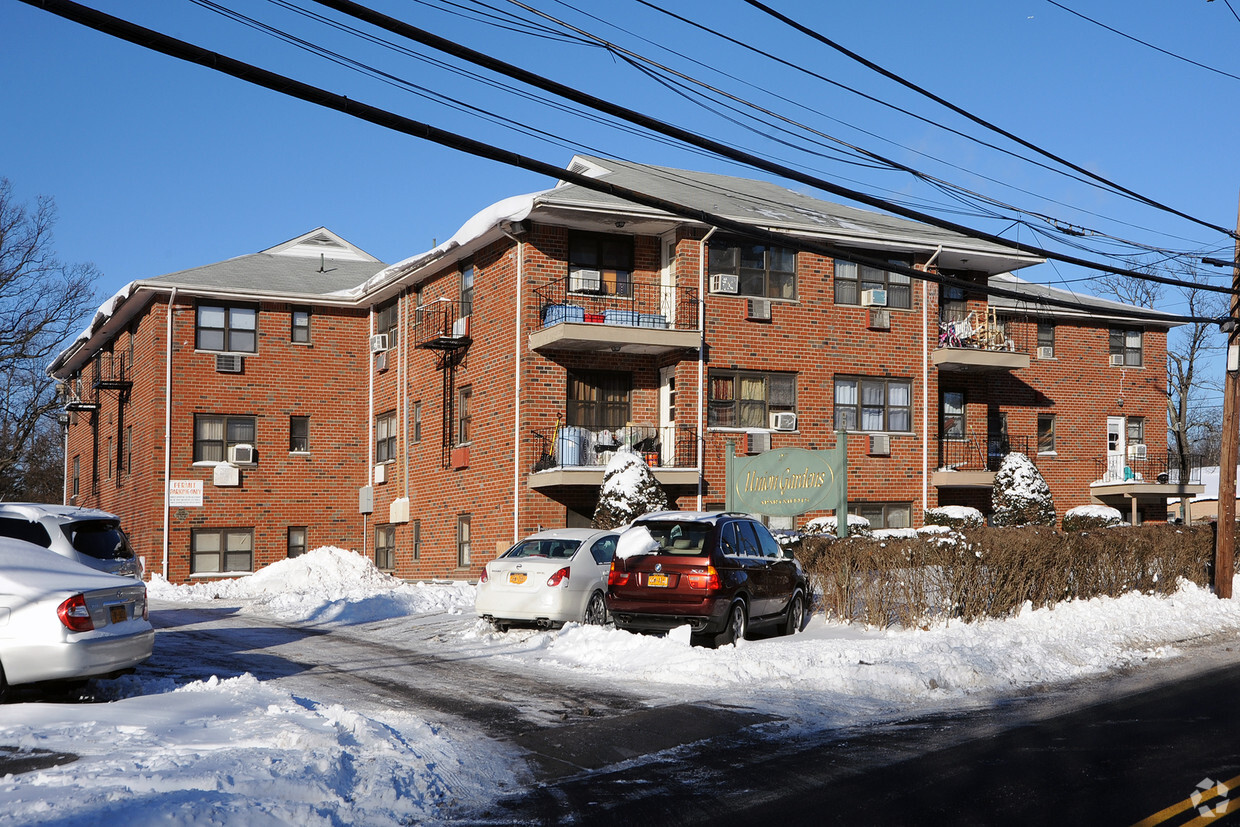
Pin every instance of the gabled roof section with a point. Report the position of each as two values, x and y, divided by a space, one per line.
1093 307
321 242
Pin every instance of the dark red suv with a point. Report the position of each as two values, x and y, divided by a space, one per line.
721 573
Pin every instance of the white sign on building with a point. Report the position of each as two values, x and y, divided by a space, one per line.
185 493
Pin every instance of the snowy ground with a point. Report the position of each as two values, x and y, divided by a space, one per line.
241 750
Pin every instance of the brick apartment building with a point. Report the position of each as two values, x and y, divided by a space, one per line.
433 411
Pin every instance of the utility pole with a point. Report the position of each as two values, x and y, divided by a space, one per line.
1225 539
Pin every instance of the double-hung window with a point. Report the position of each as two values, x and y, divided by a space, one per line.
1126 347
1046 340
852 280
296 540
387 320
467 290
745 399
864 403
385 437
600 264
463 540
221 550
598 399
464 418
226 328
300 325
763 271
214 435
1046 433
951 425
299 434
385 547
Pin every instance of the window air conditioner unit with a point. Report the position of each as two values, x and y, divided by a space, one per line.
228 363
381 360
783 421
1117 360
879 319
241 454
759 309
1136 451
880 445
725 283
758 442
380 474
1046 352
874 298
378 343
585 281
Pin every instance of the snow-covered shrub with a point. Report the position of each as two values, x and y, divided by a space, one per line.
1085 517
1021 495
858 526
629 490
955 516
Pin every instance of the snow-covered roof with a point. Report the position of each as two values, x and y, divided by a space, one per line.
1104 308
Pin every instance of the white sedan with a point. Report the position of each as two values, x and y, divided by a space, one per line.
61 620
549 578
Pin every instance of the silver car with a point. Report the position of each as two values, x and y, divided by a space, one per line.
60 620
548 579
86 535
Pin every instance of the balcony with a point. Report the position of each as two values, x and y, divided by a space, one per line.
586 311
986 343
1141 477
971 461
442 324
569 455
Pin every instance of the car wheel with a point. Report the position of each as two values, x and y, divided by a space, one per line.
738 624
796 614
596 611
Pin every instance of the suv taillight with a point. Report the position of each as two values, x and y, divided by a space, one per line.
74 614
616 577
708 580
559 577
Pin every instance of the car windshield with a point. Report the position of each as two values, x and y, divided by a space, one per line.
553 549
101 539
679 538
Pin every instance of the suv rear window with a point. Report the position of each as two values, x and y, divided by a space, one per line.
101 539
20 529
679 538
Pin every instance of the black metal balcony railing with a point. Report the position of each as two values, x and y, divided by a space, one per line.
441 324
973 453
1139 466
568 446
618 299
979 330
111 371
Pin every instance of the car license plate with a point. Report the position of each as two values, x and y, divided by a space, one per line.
658 581
516 578
118 614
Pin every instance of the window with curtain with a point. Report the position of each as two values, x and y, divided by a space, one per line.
598 399
951 425
746 399
214 435
385 437
873 404
852 279
1127 345
763 271
600 264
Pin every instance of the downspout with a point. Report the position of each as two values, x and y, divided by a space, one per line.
168 428
925 385
403 391
701 389
516 394
370 433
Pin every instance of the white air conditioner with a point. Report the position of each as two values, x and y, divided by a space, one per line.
879 319
758 442
378 343
1046 352
759 309
880 445
381 360
228 363
783 421
1136 451
241 454
874 298
398 511
460 328
724 283
380 474
1117 360
585 281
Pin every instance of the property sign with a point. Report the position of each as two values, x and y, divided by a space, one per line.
185 493
790 481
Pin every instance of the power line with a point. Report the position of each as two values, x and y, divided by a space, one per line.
908 84
157 41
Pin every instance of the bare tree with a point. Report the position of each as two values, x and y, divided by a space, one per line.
42 302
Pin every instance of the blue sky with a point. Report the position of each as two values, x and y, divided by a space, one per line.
157 165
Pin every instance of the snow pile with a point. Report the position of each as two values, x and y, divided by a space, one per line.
223 752
326 585
956 516
827 525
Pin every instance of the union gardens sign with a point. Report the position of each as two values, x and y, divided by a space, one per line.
789 482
